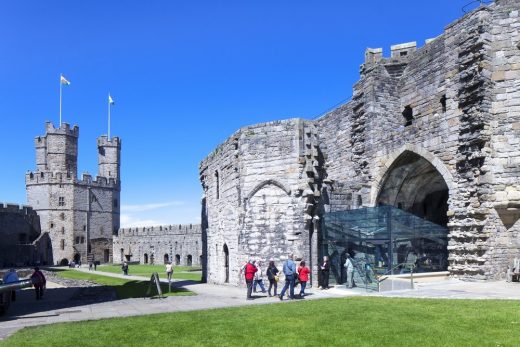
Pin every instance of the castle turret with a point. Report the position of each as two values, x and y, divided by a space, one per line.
61 147
109 157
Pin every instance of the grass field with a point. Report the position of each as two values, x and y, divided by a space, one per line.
330 322
124 288
179 272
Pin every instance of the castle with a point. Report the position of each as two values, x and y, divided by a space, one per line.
430 136
80 215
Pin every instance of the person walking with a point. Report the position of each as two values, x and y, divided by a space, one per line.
90 265
259 277
303 276
39 282
289 270
169 271
272 276
124 267
325 271
249 274
10 277
349 269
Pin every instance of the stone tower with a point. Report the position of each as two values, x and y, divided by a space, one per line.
81 215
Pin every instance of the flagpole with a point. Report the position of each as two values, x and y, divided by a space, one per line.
60 97
108 116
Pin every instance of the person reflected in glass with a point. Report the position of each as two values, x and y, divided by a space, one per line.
349 270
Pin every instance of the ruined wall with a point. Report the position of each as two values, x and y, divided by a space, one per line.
453 102
22 241
180 244
80 215
264 204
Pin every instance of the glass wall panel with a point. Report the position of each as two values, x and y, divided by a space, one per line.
382 240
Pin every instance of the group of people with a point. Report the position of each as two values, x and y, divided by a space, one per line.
254 275
37 277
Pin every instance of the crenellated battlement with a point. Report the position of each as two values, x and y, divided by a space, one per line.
86 179
42 177
161 230
18 209
64 129
103 141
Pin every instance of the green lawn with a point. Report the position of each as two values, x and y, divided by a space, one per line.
330 322
179 272
124 288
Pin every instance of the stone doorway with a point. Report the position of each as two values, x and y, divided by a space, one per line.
414 185
166 258
77 258
226 263
146 258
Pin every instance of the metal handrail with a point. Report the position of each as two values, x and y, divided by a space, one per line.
481 3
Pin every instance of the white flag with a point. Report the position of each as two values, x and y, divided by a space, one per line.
64 81
110 100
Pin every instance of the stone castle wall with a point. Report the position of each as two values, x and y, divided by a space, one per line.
453 102
258 195
180 244
22 240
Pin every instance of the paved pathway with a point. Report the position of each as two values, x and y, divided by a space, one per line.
58 306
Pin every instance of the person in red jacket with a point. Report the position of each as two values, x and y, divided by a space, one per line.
249 274
38 280
303 276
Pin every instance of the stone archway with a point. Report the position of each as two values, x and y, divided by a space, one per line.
386 165
414 185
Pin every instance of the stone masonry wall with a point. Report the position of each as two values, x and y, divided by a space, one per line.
267 189
20 233
180 244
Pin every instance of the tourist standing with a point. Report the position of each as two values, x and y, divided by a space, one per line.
249 274
349 269
39 281
289 270
124 267
169 270
272 276
325 271
259 277
303 276
10 277
90 264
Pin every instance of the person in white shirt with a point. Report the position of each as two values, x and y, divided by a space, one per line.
169 270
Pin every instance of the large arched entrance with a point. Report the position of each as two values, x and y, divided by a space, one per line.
406 230
226 263
413 185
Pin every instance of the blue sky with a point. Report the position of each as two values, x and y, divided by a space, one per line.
184 75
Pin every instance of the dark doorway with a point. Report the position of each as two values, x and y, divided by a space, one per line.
166 259
146 258
226 263
106 255
189 260
77 258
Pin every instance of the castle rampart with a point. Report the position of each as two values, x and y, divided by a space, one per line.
179 244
